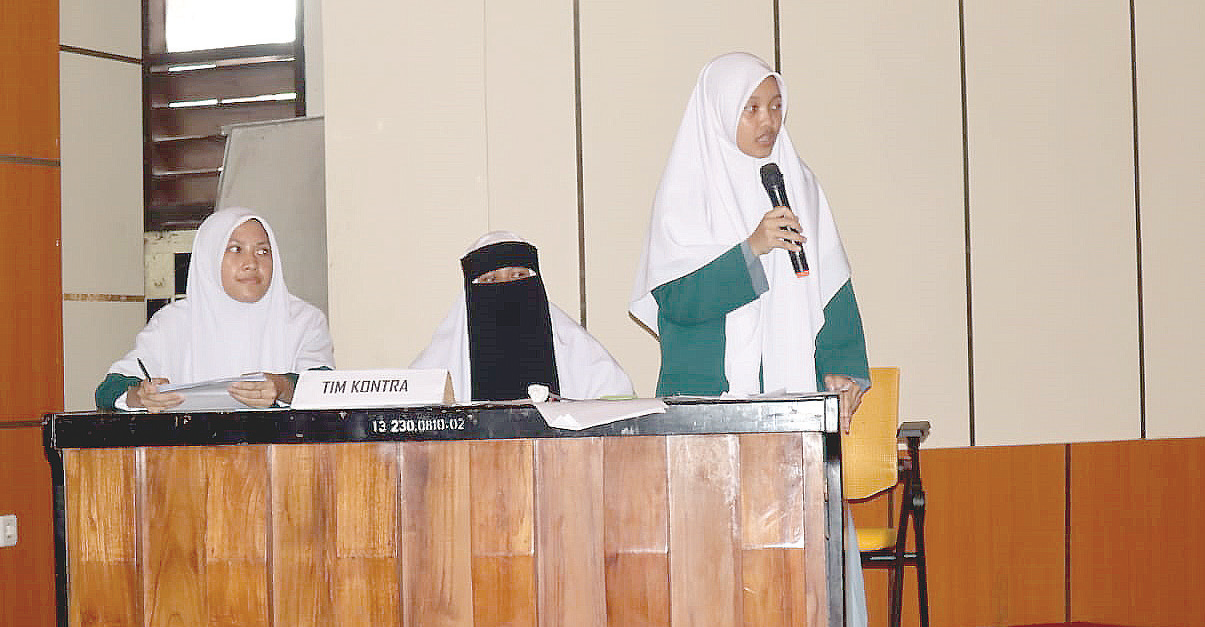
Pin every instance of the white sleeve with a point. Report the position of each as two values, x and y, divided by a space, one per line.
585 369
316 349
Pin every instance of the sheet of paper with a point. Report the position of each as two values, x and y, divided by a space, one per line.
201 385
209 395
578 415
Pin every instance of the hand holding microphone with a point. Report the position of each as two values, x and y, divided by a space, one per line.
768 234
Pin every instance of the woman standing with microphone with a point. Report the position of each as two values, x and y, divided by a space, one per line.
716 281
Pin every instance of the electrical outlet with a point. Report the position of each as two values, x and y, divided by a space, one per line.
8 530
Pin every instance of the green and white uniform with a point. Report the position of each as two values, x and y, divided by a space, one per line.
731 322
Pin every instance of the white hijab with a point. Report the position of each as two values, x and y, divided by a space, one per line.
584 368
710 199
210 335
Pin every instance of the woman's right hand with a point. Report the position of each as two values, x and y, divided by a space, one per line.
147 394
778 229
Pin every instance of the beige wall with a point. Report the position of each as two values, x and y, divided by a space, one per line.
101 130
1171 87
639 63
876 113
1052 220
447 120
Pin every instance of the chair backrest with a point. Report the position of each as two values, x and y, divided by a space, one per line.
869 454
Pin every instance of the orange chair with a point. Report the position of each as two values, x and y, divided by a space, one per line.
873 465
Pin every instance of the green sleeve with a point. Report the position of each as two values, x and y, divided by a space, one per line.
112 388
841 345
691 317
710 292
293 376
115 385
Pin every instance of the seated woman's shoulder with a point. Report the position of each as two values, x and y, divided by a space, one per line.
301 310
171 313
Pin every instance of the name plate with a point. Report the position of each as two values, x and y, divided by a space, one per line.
347 389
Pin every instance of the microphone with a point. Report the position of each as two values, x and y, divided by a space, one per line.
771 179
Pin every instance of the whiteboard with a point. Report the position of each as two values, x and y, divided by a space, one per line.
277 169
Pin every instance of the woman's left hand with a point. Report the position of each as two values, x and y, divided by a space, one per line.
850 394
262 393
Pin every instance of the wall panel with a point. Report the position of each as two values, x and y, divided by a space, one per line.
531 146
875 110
639 64
30 301
1135 508
406 169
102 175
27 569
1052 214
31 375
94 336
995 536
1171 139
113 27
101 211
29 111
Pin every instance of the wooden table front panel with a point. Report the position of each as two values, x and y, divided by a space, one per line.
704 530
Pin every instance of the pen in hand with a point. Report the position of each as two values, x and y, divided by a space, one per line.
149 395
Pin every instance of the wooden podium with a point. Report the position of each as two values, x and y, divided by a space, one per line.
714 513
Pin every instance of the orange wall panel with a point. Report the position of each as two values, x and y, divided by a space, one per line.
27 569
31 305
1138 522
29 79
994 536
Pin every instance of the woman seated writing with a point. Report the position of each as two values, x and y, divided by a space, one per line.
238 318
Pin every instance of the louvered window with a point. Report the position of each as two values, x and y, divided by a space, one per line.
191 94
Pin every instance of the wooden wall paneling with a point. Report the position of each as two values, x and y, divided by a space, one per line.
1171 139
815 504
25 491
636 531
208 120
236 534
772 487
436 550
29 65
1051 176
995 521
704 533
223 82
303 534
173 526
366 578
570 567
102 538
1136 524
503 533
31 374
